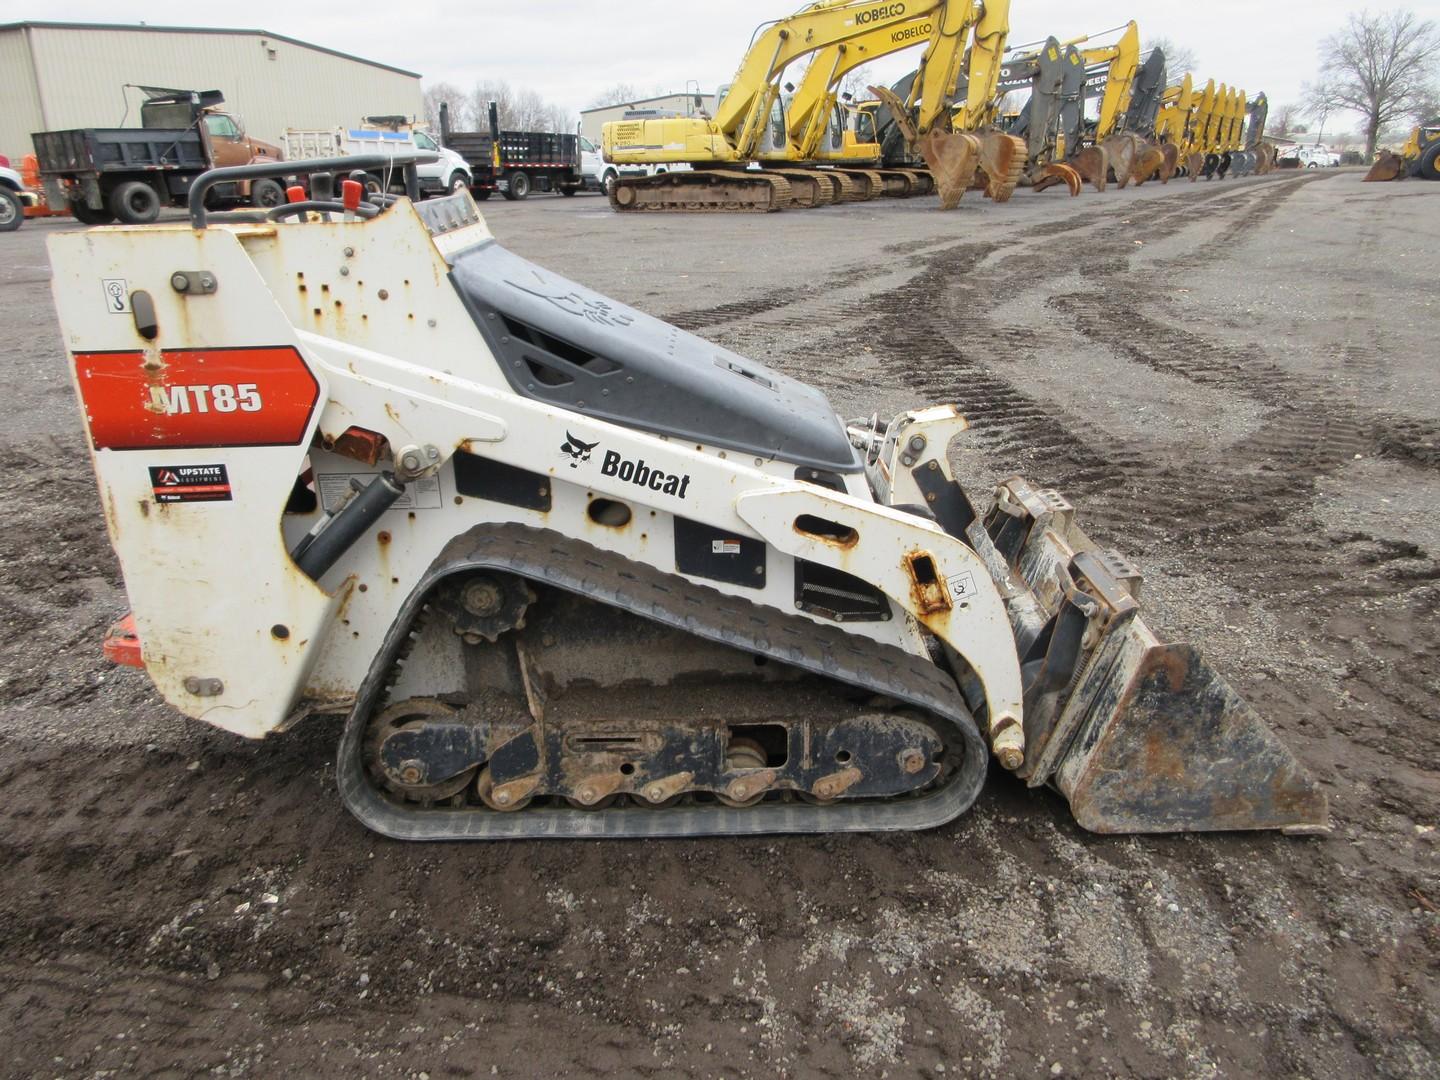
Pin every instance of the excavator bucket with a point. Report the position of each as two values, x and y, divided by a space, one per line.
1388 166
1093 165
1139 735
1121 151
1170 164
1149 163
1002 159
1057 173
953 158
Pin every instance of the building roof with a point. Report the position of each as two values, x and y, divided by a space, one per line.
145 28
630 104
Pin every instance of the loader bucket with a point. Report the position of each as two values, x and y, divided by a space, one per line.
1093 165
1139 735
953 158
1002 159
1050 175
1387 166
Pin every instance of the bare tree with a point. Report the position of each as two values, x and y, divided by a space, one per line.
854 83
1320 100
1283 121
1178 58
519 109
454 97
619 94
1382 66
503 97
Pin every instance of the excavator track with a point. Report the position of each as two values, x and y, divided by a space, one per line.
703 191
808 187
937 716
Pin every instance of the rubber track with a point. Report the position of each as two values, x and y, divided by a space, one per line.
555 560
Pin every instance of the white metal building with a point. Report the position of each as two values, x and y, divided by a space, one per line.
70 75
689 104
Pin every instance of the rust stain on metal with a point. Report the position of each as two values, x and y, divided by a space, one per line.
927 587
837 783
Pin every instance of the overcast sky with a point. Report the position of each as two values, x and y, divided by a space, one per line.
570 50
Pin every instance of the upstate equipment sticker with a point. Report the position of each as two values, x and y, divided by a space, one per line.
190 483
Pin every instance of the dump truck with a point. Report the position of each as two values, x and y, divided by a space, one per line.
570 571
515 163
129 174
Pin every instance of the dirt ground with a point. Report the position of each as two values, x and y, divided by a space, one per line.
1237 382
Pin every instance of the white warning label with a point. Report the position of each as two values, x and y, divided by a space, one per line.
962 586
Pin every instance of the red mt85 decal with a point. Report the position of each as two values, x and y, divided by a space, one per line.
193 399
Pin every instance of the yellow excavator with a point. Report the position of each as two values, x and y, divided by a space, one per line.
955 132
840 135
1127 112
749 125
1172 125
1114 67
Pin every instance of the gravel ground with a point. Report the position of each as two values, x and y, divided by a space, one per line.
1237 384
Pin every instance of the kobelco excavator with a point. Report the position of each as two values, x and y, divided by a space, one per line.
946 110
750 125
570 571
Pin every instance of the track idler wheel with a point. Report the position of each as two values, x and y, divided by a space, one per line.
953 158
407 778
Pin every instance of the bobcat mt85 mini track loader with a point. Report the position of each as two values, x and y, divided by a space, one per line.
572 571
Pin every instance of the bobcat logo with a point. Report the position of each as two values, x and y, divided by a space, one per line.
578 451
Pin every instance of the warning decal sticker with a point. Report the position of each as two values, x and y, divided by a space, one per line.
190 483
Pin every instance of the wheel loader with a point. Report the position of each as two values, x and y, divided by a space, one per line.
570 571
1420 156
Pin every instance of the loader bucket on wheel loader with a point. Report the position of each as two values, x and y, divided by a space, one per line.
1002 159
1093 165
1387 166
1058 173
953 158
1139 735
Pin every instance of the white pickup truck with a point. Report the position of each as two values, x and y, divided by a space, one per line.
444 176
13 199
